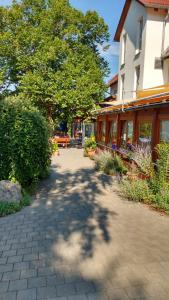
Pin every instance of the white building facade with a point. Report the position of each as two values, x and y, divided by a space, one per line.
143 33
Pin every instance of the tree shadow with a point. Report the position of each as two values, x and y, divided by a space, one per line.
70 203
73 225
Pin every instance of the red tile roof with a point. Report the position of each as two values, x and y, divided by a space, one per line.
148 3
155 3
113 80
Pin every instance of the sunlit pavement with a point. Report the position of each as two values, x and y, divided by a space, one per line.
80 241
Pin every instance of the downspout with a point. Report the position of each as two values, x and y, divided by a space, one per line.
164 30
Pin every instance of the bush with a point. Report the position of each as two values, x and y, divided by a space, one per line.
143 158
108 164
161 199
24 139
137 190
10 208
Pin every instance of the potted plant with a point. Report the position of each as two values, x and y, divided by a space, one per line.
90 146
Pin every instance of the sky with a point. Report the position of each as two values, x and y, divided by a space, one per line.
110 10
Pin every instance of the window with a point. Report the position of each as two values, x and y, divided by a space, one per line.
127 134
122 86
164 131
113 133
145 133
137 78
103 131
124 40
139 35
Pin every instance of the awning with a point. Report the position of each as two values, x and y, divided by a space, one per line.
147 97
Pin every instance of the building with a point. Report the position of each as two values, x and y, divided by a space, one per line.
140 113
112 92
143 33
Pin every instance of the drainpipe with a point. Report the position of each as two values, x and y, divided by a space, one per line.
163 36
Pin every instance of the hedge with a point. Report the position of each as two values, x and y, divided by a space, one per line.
24 142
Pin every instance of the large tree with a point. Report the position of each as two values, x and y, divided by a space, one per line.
49 53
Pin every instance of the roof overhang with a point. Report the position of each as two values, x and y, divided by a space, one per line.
147 3
160 97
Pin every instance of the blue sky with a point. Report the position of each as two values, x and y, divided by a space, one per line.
110 10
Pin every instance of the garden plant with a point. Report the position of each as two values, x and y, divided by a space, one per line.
154 189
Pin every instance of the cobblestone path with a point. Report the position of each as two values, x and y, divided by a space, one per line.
80 241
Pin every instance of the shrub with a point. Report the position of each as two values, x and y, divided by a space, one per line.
161 176
10 208
24 139
137 190
90 143
143 158
162 164
119 165
108 164
161 199
102 160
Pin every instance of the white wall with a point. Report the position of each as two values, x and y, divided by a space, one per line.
151 48
132 60
166 71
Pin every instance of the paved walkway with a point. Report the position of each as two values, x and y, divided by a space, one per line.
80 241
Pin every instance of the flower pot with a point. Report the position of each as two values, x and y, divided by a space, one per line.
132 176
91 153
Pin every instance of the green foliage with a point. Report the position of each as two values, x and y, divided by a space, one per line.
136 190
110 165
54 145
49 52
143 158
156 189
119 165
90 143
10 208
163 162
161 198
24 139
161 176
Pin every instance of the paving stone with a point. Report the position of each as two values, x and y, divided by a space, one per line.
3 260
35 264
85 287
21 265
18 246
12 241
8 296
29 273
30 257
11 275
14 259
66 289
6 267
5 247
24 251
45 271
9 253
77 297
97 296
29 294
17 285
55 280
3 287
46 292
36 282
